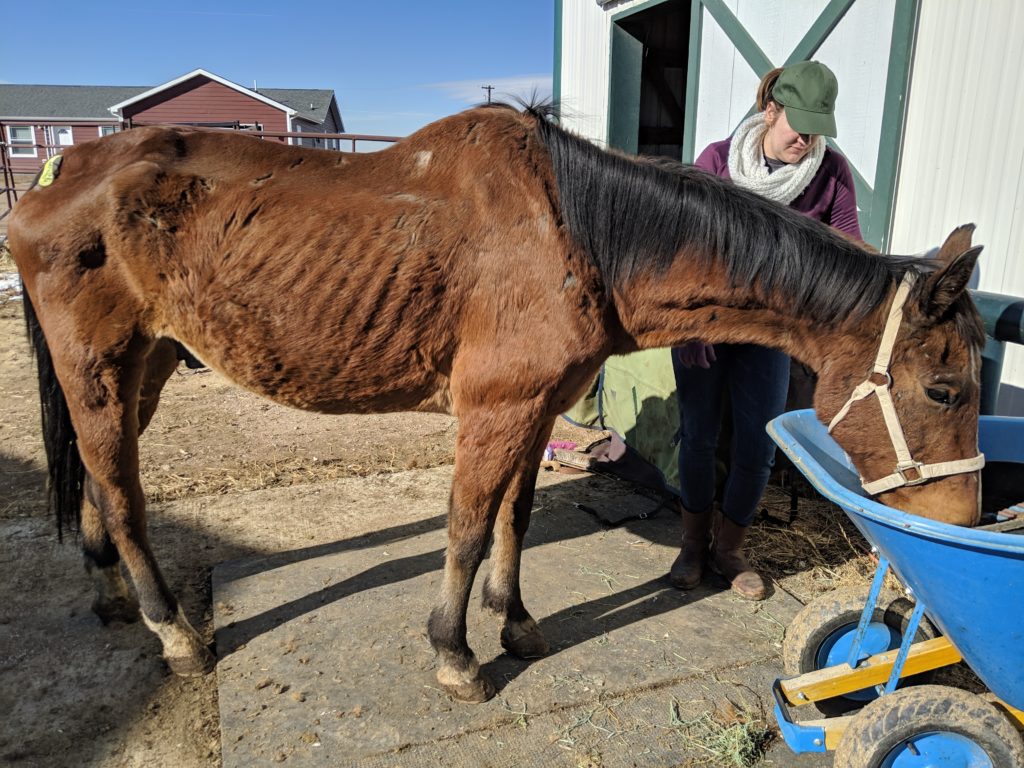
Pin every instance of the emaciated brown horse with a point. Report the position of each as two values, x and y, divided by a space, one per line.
485 266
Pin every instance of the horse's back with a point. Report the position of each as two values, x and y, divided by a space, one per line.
328 281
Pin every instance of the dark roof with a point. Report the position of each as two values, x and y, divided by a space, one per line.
81 102
307 102
92 102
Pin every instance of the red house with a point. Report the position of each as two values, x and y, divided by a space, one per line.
37 120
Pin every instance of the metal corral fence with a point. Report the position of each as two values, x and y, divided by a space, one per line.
14 182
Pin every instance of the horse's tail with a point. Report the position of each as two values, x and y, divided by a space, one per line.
66 470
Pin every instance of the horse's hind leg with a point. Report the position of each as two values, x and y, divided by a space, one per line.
114 601
103 395
520 634
487 451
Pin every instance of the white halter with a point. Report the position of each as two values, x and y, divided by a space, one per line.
918 473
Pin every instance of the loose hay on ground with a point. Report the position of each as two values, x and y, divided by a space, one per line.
821 551
730 736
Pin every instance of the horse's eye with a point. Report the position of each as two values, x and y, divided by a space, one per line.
943 396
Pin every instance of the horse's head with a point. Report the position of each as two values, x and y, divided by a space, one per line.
930 382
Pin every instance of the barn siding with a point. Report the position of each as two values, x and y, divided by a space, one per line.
963 148
308 126
201 100
585 59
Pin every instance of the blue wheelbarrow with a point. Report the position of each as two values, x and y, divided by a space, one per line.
864 660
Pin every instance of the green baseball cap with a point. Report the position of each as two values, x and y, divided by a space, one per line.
808 92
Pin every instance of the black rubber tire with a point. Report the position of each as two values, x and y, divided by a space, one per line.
888 721
829 613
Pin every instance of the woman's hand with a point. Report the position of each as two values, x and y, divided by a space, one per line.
696 353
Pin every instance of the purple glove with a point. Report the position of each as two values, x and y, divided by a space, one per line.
696 353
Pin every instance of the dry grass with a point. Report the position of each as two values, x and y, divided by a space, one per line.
729 736
820 552
7 268
162 483
250 475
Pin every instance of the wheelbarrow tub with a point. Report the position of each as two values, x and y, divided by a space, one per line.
971 580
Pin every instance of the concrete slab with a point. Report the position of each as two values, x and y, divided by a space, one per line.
325 660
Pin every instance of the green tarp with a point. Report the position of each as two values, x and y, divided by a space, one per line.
635 397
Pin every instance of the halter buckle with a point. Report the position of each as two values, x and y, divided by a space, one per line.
917 468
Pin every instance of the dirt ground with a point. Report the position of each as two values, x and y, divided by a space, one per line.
75 693
208 437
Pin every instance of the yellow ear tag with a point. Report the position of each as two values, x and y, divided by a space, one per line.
50 171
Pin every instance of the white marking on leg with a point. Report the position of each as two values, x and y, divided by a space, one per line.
449 675
179 639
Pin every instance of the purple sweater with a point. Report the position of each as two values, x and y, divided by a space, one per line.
829 197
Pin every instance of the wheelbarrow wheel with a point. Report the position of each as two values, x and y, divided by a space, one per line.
821 634
930 725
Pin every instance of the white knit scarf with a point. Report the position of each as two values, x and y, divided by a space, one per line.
748 169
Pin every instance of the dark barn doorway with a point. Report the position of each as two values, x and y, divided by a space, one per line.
648 84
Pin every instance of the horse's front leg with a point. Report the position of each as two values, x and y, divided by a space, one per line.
520 634
488 450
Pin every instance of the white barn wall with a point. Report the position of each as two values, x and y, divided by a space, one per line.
963 148
586 57
858 52
727 84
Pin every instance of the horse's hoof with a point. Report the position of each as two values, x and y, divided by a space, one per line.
122 609
196 665
473 692
525 643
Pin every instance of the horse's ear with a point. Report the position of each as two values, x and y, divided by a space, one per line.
943 287
957 243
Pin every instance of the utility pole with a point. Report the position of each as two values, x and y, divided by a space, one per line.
488 88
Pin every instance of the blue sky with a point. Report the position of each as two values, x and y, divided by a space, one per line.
394 66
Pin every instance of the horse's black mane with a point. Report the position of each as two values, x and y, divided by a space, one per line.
634 215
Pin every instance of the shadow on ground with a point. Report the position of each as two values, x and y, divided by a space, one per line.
341 627
72 685
618 609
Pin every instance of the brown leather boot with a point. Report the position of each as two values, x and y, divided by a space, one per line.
729 562
688 568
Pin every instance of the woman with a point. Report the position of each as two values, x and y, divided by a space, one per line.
779 152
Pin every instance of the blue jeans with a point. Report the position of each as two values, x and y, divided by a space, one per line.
757 380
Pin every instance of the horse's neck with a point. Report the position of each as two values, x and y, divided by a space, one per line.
689 304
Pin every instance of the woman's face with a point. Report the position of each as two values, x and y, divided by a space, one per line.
781 142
